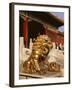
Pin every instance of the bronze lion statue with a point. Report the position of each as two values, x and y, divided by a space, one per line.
37 62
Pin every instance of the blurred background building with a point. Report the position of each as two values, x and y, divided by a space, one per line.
34 23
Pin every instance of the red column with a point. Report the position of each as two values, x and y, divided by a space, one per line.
25 31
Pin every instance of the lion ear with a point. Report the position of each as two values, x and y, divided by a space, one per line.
50 46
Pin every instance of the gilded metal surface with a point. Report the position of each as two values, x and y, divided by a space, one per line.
37 63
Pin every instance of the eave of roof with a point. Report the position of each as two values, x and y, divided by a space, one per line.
45 17
60 21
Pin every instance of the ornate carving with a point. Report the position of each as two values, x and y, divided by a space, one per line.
37 62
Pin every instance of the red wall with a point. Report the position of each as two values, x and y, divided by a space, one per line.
55 37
